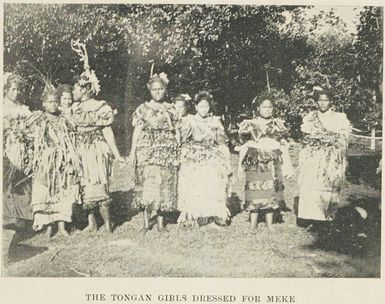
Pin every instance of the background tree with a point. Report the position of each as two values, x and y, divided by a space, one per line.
236 52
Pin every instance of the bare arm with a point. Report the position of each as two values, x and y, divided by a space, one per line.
109 136
135 136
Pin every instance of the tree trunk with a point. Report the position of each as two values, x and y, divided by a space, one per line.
130 102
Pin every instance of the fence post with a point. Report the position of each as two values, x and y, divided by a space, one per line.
373 140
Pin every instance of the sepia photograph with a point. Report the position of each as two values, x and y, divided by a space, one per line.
191 141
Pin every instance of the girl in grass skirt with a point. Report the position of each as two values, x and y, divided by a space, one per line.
55 166
322 160
154 154
261 159
95 143
16 146
205 167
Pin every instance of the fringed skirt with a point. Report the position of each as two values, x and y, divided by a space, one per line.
156 171
55 188
263 179
49 209
203 183
16 194
96 160
322 171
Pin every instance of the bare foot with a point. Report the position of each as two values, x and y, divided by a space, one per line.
63 232
144 230
162 229
106 229
251 229
211 226
90 228
48 232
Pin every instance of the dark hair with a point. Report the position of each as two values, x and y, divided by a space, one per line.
87 86
180 97
204 95
50 92
257 101
14 78
64 88
324 91
156 78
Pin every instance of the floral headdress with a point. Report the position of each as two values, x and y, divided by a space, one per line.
183 97
162 77
88 76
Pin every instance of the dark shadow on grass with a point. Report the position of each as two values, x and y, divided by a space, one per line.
171 217
121 211
19 252
121 207
350 233
362 170
234 204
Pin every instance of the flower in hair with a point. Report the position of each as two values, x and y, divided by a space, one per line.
186 97
162 76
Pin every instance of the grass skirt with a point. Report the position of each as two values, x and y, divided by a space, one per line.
202 185
96 159
322 170
263 179
156 171
48 209
16 200
155 188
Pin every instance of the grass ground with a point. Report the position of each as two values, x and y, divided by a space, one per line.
348 248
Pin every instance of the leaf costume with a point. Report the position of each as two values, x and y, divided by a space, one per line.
157 157
56 169
90 117
204 170
16 150
322 163
263 164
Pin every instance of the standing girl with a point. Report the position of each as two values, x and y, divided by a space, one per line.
55 165
66 100
16 188
322 160
181 102
205 167
16 185
154 153
261 159
95 142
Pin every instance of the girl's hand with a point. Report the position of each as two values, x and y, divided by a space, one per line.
121 161
131 160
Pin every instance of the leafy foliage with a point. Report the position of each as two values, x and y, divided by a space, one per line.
236 52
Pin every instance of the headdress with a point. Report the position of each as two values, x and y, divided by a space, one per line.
185 97
162 77
88 76
44 79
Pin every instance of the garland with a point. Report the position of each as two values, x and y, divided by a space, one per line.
320 137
